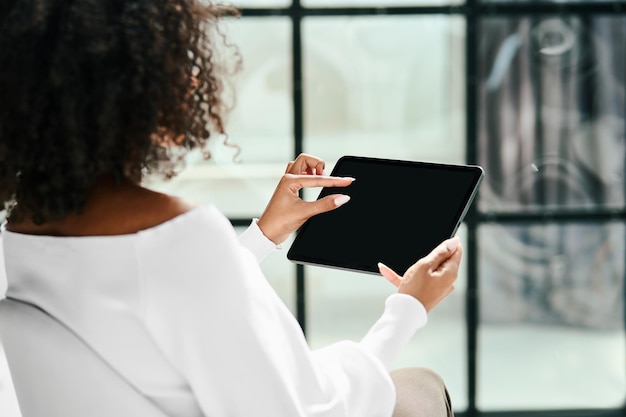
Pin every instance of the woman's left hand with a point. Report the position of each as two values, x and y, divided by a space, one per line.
286 211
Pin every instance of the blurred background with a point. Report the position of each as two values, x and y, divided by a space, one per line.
534 92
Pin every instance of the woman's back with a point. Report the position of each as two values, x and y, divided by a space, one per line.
95 286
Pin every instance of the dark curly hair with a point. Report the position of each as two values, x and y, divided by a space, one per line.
104 87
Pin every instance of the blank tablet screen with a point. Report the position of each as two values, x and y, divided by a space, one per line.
398 212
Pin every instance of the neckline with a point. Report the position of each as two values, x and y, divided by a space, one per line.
176 219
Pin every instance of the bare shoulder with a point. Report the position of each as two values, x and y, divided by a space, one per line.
135 208
113 209
161 208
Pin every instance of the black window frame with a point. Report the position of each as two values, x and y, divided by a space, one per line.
472 11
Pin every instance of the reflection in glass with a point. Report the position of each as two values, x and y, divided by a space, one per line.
241 175
387 86
344 305
551 106
552 316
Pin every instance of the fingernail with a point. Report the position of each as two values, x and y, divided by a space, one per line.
342 199
452 244
350 178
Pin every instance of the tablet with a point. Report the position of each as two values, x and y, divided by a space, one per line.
398 212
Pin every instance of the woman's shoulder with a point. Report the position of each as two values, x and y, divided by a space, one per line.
114 209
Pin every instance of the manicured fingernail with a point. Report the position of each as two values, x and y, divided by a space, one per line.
342 199
452 244
349 178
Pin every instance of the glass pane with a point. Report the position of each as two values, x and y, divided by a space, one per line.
553 1
552 317
375 3
259 127
261 3
281 273
344 305
388 86
551 105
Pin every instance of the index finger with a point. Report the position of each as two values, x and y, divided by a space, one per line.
306 164
311 181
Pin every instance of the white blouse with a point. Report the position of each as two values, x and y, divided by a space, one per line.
184 312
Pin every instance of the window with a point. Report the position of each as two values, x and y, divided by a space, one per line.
532 91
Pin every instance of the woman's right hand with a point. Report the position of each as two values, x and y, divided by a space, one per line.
286 211
431 279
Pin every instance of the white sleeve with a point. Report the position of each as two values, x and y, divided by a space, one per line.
242 350
402 317
256 242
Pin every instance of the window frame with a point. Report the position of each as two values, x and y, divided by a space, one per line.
472 11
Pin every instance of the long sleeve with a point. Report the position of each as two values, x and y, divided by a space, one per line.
243 353
256 242
402 317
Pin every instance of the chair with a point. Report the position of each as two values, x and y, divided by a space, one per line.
55 374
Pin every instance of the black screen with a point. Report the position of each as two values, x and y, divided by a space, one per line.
398 212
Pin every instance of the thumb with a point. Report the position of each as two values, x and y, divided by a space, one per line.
441 253
389 274
328 203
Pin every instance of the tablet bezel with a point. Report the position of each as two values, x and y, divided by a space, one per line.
475 171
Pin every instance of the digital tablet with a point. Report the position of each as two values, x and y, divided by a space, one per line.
398 212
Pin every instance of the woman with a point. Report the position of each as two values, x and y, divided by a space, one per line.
99 93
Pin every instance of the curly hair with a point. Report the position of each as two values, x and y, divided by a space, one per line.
104 87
